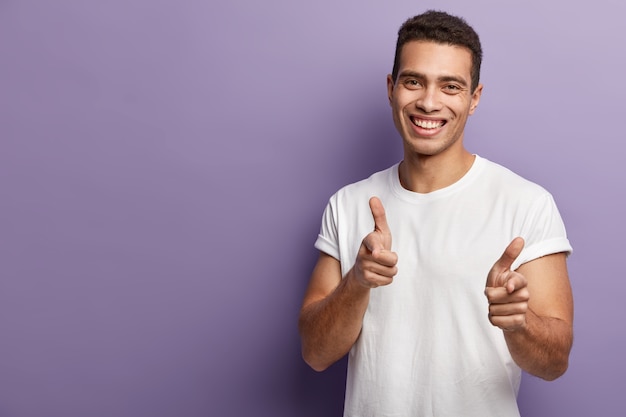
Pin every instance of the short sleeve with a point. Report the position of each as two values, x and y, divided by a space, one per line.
327 240
543 231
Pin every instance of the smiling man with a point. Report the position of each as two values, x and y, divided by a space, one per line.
445 275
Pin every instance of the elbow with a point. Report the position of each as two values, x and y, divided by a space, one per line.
559 364
559 371
310 349
551 376
314 361
555 370
318 367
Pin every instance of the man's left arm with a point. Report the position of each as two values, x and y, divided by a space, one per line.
534 307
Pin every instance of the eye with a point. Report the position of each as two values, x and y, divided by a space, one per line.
412 84
452 89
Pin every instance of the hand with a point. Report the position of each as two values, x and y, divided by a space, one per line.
375 263
507 291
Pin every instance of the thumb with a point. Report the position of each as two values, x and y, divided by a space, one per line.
506 260
511 253
380 218
381 237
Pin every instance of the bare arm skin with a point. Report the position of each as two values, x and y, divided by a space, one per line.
534 307
333 308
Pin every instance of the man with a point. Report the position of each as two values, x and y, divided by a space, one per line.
408 255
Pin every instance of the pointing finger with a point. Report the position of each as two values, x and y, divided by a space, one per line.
515 282
374 241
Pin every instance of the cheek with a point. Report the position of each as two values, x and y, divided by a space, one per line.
400 104
396 107
462 108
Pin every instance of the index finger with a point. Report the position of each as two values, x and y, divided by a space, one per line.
515 282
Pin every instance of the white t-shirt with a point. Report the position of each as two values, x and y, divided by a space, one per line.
427 347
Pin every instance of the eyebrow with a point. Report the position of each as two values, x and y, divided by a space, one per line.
443 78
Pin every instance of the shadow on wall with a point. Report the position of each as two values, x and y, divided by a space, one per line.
359 139
374 145
321 393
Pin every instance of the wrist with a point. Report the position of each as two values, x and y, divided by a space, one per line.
356 285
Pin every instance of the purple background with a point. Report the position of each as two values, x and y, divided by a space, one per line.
164 167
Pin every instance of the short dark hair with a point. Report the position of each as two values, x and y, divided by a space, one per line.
440 27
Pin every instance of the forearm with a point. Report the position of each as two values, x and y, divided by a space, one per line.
330 326
542 346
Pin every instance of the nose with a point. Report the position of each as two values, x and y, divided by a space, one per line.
428 100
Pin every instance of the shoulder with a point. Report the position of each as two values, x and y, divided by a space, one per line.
351 203
505 180
374 185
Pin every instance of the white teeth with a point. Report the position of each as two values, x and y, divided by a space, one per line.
427 124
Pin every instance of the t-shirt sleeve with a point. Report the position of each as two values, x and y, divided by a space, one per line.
543 231
327 240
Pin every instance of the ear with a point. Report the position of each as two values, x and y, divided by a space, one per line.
390 86
475 98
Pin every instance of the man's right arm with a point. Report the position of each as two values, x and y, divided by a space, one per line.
331 314
333 308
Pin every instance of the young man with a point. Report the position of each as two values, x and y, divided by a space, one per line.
445 275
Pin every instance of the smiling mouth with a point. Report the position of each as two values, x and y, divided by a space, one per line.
428 124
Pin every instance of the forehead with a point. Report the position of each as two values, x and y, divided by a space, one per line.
435 58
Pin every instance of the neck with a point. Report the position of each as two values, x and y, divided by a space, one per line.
425 173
